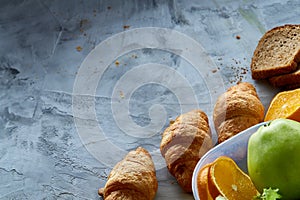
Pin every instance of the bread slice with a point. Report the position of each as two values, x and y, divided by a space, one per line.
286 79
291 87
277 52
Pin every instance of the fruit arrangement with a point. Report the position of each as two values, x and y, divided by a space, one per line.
273 167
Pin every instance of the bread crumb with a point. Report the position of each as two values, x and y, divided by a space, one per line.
122 95
83 22
79 48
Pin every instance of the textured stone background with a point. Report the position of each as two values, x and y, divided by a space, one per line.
42 46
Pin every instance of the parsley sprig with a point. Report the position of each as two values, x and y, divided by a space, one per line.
268 194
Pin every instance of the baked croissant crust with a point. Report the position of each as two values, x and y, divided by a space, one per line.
236 110
133 178
183 143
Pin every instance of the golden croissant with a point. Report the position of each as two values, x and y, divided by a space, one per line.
236 110
133 178
183 143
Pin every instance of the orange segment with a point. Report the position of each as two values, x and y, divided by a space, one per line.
202 183
285 105
231 182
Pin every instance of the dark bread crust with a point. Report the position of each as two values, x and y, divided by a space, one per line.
286 79
291 87
263 70
259 75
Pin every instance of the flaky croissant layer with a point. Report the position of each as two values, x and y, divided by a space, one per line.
183 143
133 178
236 110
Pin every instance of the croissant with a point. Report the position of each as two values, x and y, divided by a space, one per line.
133 178
183 143
236 110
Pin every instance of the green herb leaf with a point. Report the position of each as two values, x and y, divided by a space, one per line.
268 194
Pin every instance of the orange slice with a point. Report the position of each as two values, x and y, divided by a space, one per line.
285 105
202 183
230 181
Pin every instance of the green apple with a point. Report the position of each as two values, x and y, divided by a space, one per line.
274 157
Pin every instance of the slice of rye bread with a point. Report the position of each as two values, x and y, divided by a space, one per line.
286 79
277 52
291 87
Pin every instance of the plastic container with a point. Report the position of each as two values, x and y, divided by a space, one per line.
235 148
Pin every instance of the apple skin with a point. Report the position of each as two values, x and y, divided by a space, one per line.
274 157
